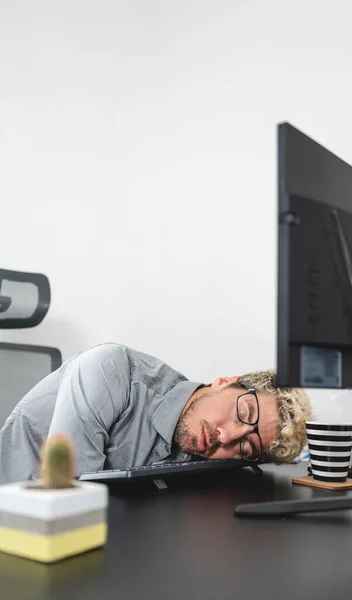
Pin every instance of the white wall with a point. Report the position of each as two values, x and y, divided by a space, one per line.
138 164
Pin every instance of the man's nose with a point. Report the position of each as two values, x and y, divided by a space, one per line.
231 432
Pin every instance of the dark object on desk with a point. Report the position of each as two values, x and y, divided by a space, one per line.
157 471
314 320
293 507
314 334
24 299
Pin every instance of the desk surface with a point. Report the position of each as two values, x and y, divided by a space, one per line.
185 543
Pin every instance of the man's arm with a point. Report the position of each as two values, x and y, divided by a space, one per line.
93 392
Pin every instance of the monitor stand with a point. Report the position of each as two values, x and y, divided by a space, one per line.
293 507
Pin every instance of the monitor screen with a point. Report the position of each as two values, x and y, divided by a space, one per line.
314 325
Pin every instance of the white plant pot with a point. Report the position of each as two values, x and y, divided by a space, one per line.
49 525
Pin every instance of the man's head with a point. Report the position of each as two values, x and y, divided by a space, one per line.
210 425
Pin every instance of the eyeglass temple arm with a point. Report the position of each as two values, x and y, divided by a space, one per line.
257 469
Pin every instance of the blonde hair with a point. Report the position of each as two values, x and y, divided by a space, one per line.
294 410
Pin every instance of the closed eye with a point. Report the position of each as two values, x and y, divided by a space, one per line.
237 451
249 448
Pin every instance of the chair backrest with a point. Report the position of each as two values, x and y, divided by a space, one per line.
22 367
24 299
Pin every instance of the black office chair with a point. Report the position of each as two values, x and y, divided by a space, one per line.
24 302
21 367
24 299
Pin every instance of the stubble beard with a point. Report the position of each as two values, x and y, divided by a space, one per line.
186 440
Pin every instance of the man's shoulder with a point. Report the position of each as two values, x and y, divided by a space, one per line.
138 365
99 353
153 372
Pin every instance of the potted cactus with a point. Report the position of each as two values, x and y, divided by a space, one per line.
56 516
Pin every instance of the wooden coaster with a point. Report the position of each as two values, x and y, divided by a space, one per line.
326 485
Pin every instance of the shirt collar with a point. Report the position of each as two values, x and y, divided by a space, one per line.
166 416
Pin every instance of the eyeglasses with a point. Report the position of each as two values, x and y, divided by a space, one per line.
248 413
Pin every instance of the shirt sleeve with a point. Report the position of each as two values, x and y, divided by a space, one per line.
93 392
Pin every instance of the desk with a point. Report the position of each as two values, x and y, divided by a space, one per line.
184 543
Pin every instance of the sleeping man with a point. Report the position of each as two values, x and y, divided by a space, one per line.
122 408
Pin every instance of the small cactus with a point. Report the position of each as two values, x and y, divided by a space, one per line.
56 468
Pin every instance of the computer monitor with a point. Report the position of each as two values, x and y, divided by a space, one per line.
314 325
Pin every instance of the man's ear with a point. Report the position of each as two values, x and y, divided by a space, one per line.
223 382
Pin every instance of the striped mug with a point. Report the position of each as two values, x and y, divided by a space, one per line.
330 448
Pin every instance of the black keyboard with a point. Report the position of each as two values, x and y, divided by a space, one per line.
158 470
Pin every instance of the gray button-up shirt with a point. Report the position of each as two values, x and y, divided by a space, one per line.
118 406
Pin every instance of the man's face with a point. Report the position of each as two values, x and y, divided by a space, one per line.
209 425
